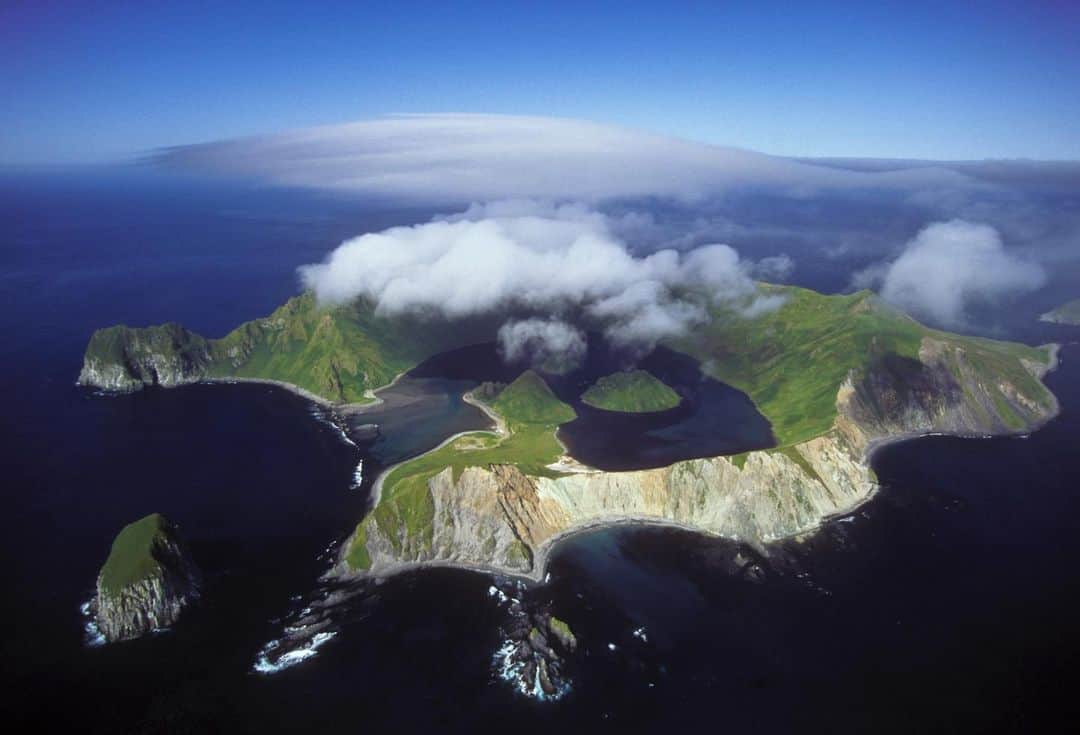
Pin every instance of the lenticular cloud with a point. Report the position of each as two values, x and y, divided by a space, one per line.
458 158
550 266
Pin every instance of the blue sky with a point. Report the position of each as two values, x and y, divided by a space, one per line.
101 81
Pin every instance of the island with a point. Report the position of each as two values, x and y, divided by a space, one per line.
837 376
631 391
148 580
1067 313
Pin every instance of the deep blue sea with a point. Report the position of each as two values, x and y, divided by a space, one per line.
949 603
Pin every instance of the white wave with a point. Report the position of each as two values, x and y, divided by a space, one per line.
92 635
320 415
264 665
358 474
510 671
494 591
640 634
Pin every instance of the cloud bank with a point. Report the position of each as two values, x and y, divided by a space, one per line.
556 269
949 267
460 158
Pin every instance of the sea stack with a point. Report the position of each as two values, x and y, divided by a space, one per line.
148 580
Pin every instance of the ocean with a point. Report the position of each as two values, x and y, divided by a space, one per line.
946 603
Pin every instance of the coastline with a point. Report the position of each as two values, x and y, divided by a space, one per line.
499 429
543 553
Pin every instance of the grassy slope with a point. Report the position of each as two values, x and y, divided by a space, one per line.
1067 313
132 556
634 391
792 361
532 412
338 353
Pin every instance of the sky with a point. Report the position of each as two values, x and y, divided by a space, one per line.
99 82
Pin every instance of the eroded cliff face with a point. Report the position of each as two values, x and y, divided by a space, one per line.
498 518
156 599
942 392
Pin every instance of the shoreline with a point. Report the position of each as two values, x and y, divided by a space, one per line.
499 430
544 552
347 409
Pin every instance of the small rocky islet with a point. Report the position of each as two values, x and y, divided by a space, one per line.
535 656
146 583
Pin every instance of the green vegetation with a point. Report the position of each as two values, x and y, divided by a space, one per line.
793 454
1067 313
111 345
792 361
339 353
633 391
560 628
405 511
134 554
528 401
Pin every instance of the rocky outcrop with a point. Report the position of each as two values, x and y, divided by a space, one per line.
148 580
499 518
535 655
124 359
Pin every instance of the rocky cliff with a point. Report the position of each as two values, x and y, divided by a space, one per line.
125 359
147 581
499 518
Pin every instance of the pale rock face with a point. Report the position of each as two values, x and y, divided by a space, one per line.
502 519
107 376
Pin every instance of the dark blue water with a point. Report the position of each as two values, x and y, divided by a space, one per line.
946 604
711 419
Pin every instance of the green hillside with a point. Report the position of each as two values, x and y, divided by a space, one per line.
529 401
338 353
633 391
792 361
132 558
532 413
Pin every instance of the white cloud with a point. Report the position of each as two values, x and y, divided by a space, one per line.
550 344
948 267
775 268
529 259
460 158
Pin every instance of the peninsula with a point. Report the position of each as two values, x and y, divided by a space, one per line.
836 376
1067 313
